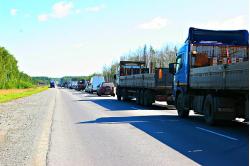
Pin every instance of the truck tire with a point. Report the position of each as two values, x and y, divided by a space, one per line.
209 110
180 106
170 102
119 97
141 97
137 97
118 94
125 95
147 98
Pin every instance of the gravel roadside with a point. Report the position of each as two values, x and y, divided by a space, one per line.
25 129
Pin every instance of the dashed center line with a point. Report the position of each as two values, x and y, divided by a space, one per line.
222 135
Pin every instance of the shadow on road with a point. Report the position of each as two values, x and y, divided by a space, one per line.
115 105
182 135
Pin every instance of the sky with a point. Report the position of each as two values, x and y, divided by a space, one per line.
78 37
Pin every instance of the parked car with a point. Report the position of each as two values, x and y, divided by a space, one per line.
73 85
94 82
106 88
88 88
81 85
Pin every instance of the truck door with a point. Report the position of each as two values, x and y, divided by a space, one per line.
181 74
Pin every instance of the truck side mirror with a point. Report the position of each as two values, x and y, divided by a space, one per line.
172 68
115 77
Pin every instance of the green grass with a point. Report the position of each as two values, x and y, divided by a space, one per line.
8 95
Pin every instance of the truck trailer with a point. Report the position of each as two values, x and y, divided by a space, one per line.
211 75
134 81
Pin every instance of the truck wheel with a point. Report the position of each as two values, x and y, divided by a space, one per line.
141 97
147 99
180 106
170 102
209 110
137 97
183 113
119 97
124 95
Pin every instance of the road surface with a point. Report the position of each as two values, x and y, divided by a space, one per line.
91 130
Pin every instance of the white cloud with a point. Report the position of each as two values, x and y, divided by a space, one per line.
239 22
13 12
79 45
43 17
155 23
61 9
94 8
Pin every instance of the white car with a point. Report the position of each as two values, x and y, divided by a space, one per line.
94 82
87 89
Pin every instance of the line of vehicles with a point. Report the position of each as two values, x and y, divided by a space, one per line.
210 77
96 84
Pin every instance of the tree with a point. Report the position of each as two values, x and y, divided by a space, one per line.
10 76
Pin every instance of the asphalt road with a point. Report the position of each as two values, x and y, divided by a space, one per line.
91 130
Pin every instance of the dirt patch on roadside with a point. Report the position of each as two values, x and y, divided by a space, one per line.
3 135
11 91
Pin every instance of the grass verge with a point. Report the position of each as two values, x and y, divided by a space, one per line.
12 94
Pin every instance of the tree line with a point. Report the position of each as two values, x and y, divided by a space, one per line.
10 76
151 56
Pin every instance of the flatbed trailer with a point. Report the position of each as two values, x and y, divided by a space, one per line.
221 77
146 88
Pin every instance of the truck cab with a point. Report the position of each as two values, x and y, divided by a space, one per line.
181 70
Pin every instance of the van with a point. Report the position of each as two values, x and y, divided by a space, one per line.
94 82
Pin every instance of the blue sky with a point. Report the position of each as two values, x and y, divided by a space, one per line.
78 37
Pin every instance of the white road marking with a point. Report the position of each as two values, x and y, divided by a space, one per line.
198 150
222 135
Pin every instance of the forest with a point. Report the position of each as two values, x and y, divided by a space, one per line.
157 57
10 75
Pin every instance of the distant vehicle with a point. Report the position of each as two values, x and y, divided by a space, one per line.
88 87
94 82
73 84
106 88
52 84
81 85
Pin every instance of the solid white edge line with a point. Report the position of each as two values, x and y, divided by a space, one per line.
222 135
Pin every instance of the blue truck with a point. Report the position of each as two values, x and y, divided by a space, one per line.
211 75
52 84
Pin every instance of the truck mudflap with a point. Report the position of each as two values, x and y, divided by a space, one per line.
164 98
161 98
225 114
